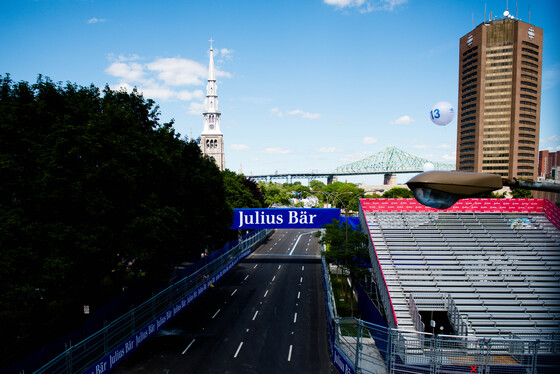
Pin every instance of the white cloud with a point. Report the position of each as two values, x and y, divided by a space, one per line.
420 146
443 146
551 76
450 157
551 139
163 78
96 20
239 147
297 112
179 71
344 3
369 140
366 6
307 115
277 151
355 157
129 71
196 108
404 120
328 150
225 54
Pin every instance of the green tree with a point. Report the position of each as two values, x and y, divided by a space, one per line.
347 248
316 185
241 192
520 193
397 192
96 192
274 194
343 195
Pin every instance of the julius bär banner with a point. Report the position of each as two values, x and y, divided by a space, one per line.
285 218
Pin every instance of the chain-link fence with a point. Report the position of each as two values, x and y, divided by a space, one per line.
361 347
104 349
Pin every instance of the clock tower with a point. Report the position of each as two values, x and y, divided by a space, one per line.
212 139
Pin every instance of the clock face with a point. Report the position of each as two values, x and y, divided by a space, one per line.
211 127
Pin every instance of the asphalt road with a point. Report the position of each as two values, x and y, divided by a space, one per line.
266 316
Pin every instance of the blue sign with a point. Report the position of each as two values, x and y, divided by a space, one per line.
284 218
341 363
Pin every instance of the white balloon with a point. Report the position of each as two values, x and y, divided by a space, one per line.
442 113
428 166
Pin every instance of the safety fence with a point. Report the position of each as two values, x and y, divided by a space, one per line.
358 346
100 352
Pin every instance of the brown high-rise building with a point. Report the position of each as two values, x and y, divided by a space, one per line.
498 112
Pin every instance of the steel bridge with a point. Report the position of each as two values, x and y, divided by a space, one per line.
389 162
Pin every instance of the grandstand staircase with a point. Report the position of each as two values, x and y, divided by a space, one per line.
502 270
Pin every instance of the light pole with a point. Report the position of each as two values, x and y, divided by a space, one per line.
442 189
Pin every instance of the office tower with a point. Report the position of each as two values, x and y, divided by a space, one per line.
498 112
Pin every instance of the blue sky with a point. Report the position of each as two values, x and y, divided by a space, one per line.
302 84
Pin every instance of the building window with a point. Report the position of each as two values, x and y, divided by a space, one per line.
532 45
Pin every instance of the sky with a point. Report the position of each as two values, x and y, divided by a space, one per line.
303 85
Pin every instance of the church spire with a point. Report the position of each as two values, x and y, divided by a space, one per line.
211 65
211 139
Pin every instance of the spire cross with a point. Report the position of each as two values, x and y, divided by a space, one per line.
210 42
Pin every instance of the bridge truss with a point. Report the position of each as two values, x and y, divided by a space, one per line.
391 160
388 161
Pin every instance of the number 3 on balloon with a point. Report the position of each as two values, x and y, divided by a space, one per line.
434 113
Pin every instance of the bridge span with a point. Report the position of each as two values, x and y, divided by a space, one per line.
389 162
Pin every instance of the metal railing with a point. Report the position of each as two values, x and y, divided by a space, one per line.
358 346
104 349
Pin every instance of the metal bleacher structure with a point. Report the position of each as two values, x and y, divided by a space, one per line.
492 264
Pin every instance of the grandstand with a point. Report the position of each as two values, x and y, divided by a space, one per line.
491 267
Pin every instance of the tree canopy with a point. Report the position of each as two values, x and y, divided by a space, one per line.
95 191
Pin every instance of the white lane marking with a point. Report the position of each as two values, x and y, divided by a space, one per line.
188 346
279 266
234 291
294 247
255 316
301 280
266 293
295 317
247 276
298 294
290 353
238 349
255 266
215 314
302 267
273 278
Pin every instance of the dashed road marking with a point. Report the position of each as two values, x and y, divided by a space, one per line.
188 346
290 353
238 349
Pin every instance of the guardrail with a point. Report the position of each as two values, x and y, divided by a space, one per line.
103 350
358 346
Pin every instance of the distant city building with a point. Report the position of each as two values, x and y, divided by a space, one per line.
212 139
498 114
547 162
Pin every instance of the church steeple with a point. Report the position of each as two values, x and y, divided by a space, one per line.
211 139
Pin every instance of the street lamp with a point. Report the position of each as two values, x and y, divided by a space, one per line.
442 189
